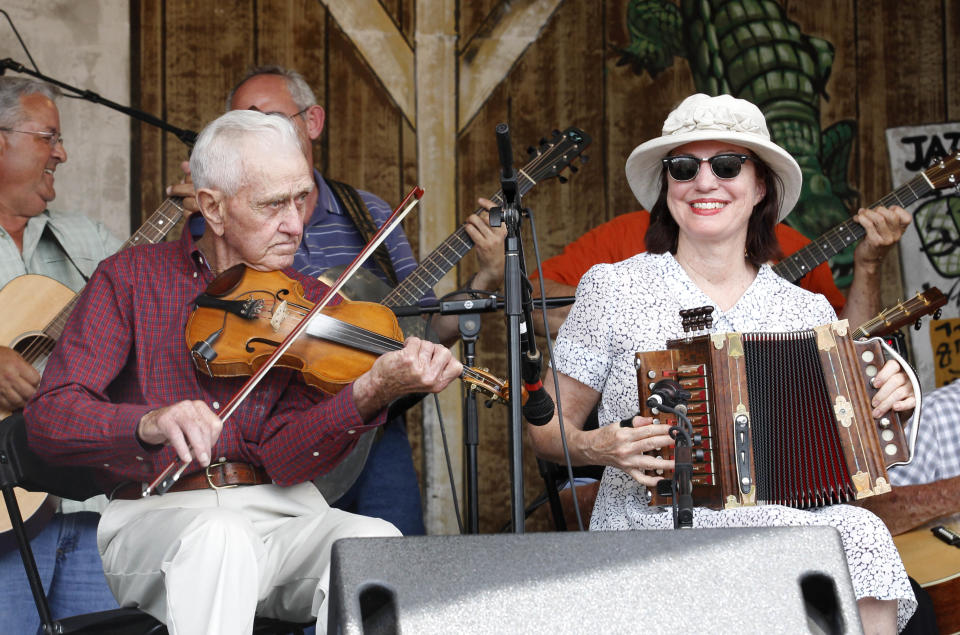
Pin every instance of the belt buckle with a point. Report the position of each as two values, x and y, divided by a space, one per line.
210 480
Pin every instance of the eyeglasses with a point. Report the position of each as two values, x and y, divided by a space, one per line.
724 166
52 138
283 114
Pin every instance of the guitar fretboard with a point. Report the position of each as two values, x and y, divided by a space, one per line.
835 240
153 230
442 259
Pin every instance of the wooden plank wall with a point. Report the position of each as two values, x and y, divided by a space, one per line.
895 64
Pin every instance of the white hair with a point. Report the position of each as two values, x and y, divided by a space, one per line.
217 160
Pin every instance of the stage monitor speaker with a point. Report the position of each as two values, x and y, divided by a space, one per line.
786 580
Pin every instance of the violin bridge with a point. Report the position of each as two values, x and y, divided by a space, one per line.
279 313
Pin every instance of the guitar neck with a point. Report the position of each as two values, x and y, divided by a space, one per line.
836 239
444 258
157 226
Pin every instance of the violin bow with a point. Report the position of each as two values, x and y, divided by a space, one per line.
171 474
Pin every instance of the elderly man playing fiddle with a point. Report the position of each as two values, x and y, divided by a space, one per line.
201 558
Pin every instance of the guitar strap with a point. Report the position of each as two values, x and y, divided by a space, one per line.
351 203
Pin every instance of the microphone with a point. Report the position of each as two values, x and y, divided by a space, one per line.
538 410
508 179
667 393
539 407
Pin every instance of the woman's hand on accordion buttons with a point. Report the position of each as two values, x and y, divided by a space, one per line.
894 390
626 448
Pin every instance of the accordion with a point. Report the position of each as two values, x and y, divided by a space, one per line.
781 418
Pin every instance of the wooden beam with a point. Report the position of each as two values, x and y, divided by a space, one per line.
494 51
382 45
436 116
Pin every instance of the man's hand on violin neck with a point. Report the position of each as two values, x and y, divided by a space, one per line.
189 426
420 366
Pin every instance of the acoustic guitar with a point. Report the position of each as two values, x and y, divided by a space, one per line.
548 160
42 308
935 565
945 174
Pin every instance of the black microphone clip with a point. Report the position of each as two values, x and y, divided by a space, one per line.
667 394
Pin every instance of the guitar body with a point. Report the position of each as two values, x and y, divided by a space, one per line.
935 565
38 300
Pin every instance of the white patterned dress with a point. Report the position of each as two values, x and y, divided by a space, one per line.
632 306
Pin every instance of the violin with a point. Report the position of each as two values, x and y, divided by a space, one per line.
245 314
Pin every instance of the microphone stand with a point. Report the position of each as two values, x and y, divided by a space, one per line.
187 136
469 330
469 311
514 278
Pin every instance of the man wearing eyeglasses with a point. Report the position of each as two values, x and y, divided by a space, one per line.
66 248
387 487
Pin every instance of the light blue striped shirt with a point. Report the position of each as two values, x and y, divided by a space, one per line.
330 238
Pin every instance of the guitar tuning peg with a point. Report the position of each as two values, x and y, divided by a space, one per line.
562 178
556 133
532 151
543 142
573 168
916 325
937 314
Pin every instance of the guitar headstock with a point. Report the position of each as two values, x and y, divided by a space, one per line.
946 172
910 311
552 156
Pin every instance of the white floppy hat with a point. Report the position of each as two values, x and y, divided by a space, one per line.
704 118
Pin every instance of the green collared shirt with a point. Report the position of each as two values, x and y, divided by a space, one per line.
65 247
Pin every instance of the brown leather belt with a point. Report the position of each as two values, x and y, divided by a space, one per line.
215 476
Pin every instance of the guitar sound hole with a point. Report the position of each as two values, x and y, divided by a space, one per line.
35 349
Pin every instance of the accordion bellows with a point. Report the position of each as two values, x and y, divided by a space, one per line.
783 418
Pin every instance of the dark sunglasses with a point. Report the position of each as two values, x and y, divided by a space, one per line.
724 166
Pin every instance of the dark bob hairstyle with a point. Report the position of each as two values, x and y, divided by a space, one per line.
762 244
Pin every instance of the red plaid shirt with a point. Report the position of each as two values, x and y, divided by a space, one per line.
123 354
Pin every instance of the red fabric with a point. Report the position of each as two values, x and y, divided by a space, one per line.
123 354
623 237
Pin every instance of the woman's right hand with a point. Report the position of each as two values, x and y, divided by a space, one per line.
625 448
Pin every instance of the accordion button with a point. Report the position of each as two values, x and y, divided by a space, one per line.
884 422
870 370
890 449
651 374
887 435
867 356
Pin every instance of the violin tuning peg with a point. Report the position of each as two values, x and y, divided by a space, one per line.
488 403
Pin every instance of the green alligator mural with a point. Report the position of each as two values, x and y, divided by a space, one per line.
750 49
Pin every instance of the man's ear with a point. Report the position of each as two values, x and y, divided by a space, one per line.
211 204
315 118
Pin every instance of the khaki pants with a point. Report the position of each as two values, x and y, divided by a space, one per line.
207 561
